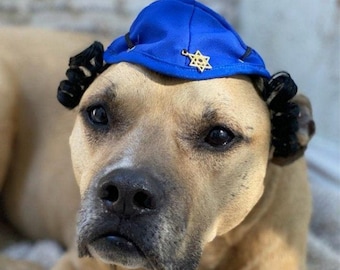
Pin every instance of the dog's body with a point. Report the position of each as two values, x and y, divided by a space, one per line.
35 169
188 202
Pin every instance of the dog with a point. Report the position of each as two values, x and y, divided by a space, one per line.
173 173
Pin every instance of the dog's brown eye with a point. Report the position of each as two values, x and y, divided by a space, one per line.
219 136
98 115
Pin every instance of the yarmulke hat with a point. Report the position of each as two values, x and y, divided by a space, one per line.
185 39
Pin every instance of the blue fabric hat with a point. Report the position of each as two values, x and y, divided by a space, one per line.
185 39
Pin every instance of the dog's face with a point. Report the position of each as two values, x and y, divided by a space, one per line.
165 165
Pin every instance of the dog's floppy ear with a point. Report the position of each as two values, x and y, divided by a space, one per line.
291 118
83 69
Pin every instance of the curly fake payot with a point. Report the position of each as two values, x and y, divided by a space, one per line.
278 93
83 69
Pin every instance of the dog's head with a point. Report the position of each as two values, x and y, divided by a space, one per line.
166 164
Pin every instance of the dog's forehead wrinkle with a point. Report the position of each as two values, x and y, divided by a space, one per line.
98 94
209 113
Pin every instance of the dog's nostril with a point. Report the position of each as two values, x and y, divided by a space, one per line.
110 193
144 200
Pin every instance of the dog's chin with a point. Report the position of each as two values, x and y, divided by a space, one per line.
118 250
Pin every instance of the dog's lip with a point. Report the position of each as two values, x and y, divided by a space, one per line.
117 239
112 244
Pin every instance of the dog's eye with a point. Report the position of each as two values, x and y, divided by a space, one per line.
219 136
98 115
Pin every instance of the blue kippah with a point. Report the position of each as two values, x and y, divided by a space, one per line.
185 39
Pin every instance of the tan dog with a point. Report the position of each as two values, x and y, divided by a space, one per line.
173 174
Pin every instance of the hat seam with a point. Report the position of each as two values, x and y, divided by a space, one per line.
222 21
189 30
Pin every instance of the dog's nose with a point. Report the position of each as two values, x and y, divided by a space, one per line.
128 192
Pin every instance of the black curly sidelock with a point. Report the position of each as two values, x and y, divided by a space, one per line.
83 69
278 93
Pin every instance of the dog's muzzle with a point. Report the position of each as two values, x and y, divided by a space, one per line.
127 218
132 217
119 209
129 195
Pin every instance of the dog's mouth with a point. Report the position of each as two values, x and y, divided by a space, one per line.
113 242
113 247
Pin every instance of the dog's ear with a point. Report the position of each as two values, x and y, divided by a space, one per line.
83 69
304 132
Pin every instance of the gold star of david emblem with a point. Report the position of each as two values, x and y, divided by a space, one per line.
198 60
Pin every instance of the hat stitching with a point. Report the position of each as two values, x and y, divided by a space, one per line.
189 34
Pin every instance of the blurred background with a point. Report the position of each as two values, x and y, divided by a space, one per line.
301 37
